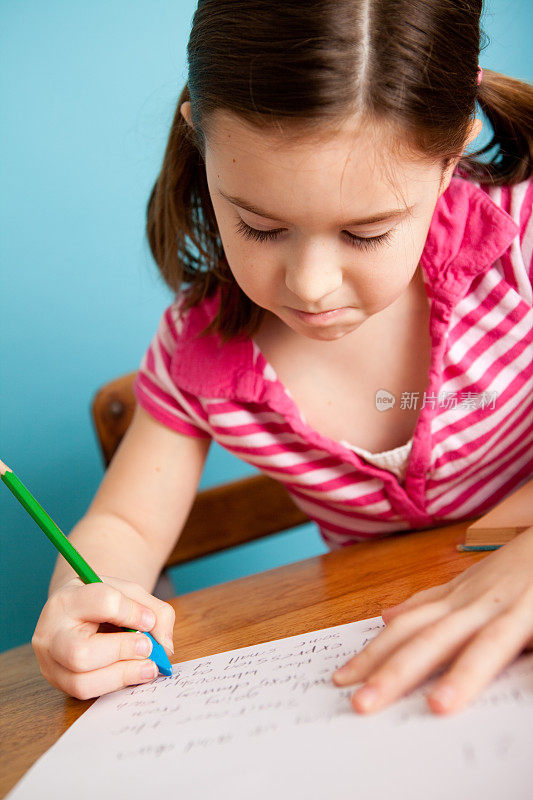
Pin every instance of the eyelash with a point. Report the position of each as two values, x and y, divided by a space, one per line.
363 242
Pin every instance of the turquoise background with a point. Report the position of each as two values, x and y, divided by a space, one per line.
88 91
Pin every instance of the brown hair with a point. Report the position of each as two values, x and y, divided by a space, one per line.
410 65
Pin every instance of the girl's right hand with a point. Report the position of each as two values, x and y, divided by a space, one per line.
77 659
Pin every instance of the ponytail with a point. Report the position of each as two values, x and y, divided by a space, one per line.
508 105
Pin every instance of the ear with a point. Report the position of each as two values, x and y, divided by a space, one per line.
185 110
474 130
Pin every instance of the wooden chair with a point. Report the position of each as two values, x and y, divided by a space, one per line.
221 517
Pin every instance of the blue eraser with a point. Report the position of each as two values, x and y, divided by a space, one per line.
159 657
465 548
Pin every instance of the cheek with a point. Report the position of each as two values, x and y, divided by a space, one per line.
238 255
393 273
250 271
384 280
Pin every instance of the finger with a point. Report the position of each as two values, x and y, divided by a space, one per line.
79 650
125 607
99 602
85 685
424 596
388 640
163 630
489 652
413 662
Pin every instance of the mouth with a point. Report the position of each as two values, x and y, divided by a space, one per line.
321 317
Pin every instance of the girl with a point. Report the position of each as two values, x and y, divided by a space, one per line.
352 315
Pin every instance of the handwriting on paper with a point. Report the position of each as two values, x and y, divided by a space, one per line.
240 686
259 691
267 720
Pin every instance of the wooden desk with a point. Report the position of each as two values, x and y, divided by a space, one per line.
349 584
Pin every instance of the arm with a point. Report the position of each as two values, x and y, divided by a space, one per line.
142 503
126 535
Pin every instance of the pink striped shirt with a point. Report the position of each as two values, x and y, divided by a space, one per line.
473 441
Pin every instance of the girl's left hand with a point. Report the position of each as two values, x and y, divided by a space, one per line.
481 620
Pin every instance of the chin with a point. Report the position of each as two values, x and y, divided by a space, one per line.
325 334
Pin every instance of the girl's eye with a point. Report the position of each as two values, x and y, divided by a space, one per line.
364 242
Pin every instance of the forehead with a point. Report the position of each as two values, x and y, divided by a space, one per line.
353 156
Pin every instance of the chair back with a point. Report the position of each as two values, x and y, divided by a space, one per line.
237 512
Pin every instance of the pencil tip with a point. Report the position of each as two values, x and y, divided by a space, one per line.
4 468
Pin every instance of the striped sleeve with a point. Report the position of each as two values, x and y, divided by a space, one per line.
156 391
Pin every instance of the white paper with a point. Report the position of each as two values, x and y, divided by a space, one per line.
266 721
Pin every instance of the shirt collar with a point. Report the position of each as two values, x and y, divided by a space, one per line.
467 234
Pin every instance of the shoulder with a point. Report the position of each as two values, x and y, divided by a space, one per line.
468 233
202 363
179 323
516 200
498 229
177 351
157 386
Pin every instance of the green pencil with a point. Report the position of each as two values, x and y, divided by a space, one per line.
69 552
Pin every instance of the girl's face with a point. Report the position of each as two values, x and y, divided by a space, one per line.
319 227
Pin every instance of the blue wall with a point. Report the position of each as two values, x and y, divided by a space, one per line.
87 92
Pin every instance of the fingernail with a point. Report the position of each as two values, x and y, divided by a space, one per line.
444 695
366 697
169 645
149 671
148 619
143 646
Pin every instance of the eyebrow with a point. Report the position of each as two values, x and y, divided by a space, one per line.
396 213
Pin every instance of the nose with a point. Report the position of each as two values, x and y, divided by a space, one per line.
314 273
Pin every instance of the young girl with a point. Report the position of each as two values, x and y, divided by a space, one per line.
352 315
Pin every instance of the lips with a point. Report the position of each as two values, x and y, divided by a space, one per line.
327 311
321 317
